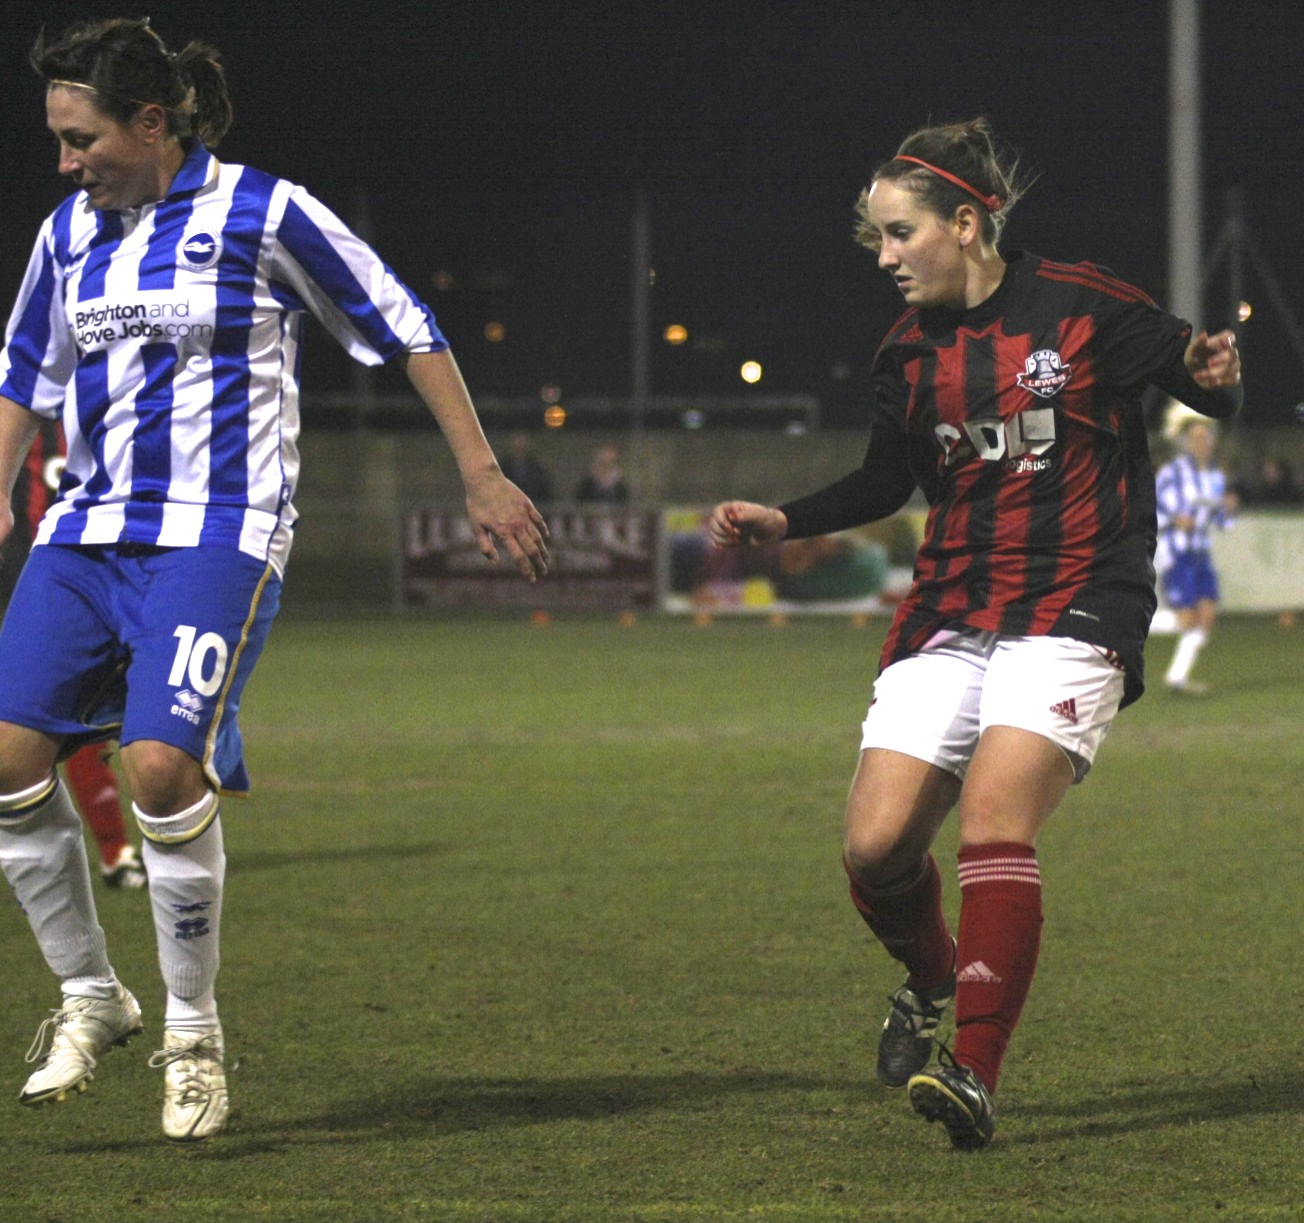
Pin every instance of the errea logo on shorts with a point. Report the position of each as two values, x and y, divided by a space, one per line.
188 706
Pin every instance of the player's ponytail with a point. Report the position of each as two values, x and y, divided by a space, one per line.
200 66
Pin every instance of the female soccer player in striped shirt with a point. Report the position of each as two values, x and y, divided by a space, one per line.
1009 394
161 316
1193 501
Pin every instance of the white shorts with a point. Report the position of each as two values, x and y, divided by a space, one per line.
935 704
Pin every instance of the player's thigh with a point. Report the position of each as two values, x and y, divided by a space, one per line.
916 743
1017 779
201 628
27 757
1047 705
895 807
58 645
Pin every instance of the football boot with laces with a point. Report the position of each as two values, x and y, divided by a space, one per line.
81 1032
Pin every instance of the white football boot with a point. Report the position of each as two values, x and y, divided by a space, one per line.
195 1102
81 1032
127 872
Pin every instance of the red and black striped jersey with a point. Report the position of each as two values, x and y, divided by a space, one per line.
1021 422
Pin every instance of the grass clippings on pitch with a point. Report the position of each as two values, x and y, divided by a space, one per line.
549 923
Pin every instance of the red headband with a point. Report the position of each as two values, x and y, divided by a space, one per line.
991 202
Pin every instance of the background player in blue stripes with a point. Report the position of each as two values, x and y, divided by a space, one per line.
1192 501
161 315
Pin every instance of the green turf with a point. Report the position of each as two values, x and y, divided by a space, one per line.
549 923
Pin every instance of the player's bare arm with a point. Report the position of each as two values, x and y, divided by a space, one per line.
17 430
734 523
500 513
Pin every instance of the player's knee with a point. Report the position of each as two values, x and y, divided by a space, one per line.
163 779
873 856
183 826
26 758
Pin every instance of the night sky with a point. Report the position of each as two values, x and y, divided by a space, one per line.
494 153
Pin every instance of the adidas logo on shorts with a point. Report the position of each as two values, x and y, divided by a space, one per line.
1066 709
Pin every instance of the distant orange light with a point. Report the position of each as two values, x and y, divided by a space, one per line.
555 416
675 334
494 332
750 371
1243 312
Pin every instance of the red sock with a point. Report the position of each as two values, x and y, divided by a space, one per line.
1000 935
95 789
906 917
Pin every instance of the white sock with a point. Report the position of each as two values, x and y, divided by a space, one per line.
185 891
43 855
191 1014
1188 649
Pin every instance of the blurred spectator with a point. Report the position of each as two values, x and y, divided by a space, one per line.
523 468
1273 484
606 480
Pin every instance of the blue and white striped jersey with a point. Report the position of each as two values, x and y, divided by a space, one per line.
168 337
1182 488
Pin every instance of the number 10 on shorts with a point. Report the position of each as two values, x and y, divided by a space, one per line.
192 660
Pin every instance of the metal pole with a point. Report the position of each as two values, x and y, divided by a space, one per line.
639 337
1185 190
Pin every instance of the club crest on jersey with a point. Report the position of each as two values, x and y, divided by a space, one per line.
1044 373
200 251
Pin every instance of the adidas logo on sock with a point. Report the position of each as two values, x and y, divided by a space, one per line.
979 973
1067 709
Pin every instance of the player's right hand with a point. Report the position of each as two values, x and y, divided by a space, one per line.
734 523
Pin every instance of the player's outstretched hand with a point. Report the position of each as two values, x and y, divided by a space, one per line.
744 522
503 516
1213 360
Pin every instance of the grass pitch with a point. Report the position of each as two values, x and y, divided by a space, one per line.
549 923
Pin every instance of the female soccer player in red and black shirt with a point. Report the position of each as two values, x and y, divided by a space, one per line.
93 783
1009 393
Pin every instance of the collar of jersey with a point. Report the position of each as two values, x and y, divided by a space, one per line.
197 171
1016 263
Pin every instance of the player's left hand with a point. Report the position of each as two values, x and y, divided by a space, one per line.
1213 360
503 516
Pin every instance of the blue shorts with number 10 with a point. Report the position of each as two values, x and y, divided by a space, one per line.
133 642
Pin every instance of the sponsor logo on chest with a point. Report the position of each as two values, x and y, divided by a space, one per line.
149 316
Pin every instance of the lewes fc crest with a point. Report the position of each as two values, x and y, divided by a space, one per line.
1044 374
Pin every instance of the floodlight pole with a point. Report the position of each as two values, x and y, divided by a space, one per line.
1185 191
639 338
